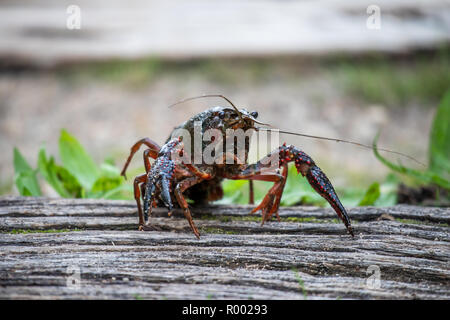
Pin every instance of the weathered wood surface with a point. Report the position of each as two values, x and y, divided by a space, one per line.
235 258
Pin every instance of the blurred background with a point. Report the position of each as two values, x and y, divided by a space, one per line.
107 70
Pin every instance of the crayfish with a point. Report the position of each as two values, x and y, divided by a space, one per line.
175 175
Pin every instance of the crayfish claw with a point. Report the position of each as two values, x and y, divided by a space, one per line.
319 181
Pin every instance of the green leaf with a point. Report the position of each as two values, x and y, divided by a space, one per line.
122 191
109 170
25 177
372 194
20 164
77 161
49 171
350 196
439 148
110 184
233 192
298 190
70 183
27 184
104 184
388 191
426 177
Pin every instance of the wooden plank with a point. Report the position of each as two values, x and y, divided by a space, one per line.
224 266
429 232
16 207
235 258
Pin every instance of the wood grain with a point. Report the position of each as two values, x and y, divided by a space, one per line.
306 255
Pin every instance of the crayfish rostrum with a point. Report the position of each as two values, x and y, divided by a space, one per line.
175 175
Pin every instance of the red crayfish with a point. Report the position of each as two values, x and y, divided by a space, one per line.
170 180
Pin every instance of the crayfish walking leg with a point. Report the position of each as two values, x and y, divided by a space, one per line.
151 152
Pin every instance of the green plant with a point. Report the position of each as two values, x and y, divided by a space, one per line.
301 283
438 171
77 177
25 177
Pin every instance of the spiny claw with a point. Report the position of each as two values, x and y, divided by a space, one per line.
149 195
317 179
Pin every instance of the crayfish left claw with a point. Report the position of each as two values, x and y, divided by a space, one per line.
149 196
159 179
319 181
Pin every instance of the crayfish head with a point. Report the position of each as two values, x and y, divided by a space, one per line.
238 118
249 118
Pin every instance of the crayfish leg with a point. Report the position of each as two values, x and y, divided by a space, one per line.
153 153
251 193
137 196
306 166
271 202
179 189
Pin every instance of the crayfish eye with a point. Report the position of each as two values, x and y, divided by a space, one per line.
254 114
221 114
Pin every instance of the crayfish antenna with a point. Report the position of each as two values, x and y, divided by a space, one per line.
373 147
209 96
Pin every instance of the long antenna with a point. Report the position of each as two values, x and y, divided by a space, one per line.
295 133
209 96
344 141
